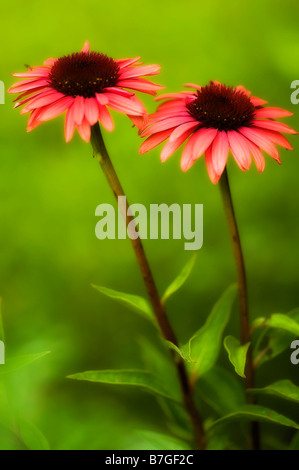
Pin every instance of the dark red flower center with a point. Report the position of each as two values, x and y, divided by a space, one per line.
222 107
84 74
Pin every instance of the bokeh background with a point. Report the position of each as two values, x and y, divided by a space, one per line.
49 255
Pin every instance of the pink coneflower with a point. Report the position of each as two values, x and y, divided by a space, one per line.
84 84
216 119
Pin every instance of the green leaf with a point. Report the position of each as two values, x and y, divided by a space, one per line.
204 346
158 361
19 362
135 302
280 320
156 441
237 354
256 413
32 437
138 378
175 348
180 279
222 390
283 389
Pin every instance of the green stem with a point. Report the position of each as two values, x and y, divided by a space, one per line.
243 299
101 153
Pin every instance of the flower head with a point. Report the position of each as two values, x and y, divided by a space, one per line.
84 84
216 119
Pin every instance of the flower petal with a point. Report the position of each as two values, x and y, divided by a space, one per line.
272 113
84 130
53 110
196 146
258 138
91 110
220 149
143 70
214 177
273 126
240 149
86 47
105 118
154 140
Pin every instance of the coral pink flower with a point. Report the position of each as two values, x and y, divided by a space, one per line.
84 84
216 119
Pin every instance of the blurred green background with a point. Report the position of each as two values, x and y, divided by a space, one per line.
49 191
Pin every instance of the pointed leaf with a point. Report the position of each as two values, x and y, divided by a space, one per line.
180 279
283 389
237 354
138 378
135 302
204 346
256 413
279 320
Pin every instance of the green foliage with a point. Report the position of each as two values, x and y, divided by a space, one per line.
180 280
204 346
222 390
237 354
274 335
256 413
137 378
135 302
282 389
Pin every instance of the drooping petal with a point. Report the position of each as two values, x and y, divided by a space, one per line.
91 110
124 105
53 110
259 139
102 99
43 99
105 118
173 144
257 156
169 123
84 130
154 140
240 149
273 126
79 109
69 125
141 85
196 146
220 149
176 134
214 177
